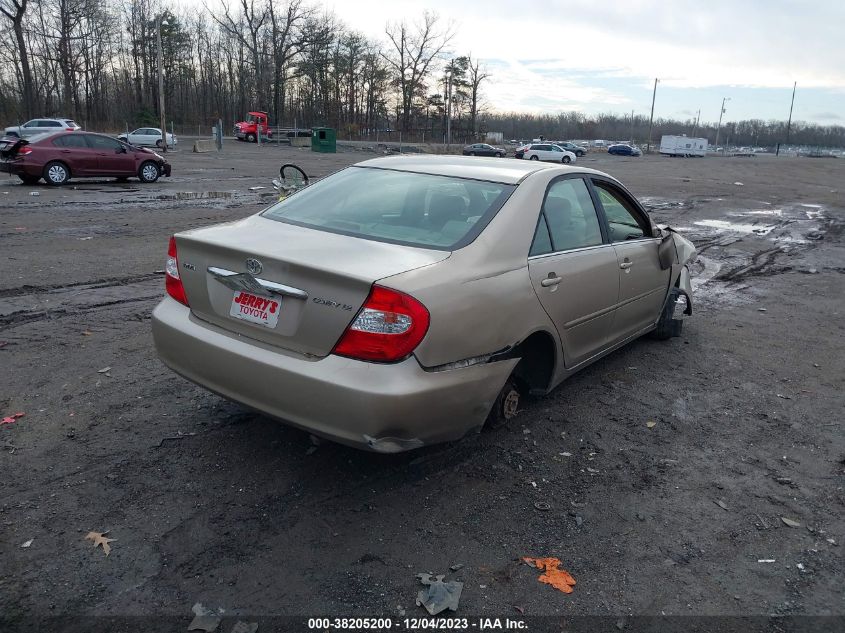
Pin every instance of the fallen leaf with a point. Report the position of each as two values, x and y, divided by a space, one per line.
28 543
790 522
560 579
103 370
86 333
99 538
651 424
520 609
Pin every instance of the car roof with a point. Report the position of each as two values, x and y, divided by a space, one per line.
506 171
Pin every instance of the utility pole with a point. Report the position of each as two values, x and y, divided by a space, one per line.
789 123
697 117
719 127
161 23
632 127
651 118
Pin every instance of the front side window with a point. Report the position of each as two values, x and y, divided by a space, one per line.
394 206
624 222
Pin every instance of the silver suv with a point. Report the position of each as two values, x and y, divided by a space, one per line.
39 126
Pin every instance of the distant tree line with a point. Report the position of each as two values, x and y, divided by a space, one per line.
618 127
96 61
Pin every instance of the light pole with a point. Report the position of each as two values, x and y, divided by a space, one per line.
161 23
651 118
695 128
448 109
719 127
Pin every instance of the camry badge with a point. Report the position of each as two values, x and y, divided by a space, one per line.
253 266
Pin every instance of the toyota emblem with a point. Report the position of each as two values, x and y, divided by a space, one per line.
253 266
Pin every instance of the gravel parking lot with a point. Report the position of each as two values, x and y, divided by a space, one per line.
668 467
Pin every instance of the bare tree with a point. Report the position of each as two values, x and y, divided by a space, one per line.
414 49
475 76
15 10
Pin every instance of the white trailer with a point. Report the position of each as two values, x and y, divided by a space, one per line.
683 146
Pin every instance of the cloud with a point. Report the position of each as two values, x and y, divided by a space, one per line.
827 116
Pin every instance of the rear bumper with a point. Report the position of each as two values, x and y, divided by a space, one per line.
12 167
386 408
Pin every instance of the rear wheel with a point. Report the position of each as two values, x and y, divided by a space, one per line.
56 173
148 172
472 153
566 160
506 407
535 157
28 180
158 143
499 154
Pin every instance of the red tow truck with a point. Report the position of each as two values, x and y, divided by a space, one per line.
248 130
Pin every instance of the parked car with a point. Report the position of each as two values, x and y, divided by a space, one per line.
571 147
483 149
147 136
409 300
64 155
38 126
548 151
520 150
622 149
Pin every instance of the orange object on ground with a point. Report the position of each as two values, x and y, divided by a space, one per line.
560 579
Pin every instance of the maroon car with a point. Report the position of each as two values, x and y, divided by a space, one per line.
59 157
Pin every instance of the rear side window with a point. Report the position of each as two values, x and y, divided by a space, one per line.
394 206
71 140
571 216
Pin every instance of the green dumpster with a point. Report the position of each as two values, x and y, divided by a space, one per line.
324 139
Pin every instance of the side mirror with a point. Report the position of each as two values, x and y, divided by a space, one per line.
120 150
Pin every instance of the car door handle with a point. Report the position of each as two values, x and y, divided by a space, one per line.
626 265
551 281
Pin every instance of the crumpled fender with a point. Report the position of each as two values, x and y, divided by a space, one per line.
678 252
685 288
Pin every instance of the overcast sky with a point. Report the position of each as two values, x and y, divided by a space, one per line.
603 55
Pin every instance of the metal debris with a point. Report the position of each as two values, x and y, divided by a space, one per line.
438 595
205 619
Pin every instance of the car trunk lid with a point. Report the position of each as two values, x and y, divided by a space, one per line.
10 146
309 283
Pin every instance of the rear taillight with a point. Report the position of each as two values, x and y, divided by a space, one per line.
23 151
70 129
387 328
172 281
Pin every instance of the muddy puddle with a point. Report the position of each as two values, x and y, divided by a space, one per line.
753 242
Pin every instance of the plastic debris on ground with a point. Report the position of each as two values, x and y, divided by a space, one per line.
245 627
438 595
99 539
28 543
790 522
11 418
205 619
560 579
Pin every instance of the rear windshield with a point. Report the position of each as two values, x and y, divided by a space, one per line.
415 209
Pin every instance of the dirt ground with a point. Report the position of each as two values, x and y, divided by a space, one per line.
209 502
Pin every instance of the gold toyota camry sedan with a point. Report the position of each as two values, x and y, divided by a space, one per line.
405 301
